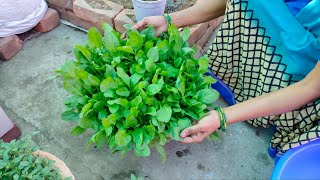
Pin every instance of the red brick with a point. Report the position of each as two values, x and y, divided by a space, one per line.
61 11
9 46
74 19
64 4
85 11
49 21
124 18
197 31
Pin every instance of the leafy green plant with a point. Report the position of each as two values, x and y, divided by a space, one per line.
138 92
18 162
134 177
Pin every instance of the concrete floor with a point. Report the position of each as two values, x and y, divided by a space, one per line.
34 103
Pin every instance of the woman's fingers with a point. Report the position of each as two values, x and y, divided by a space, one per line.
190 131
194 138
141 24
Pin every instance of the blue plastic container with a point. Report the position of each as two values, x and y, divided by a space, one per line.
223 89
302 162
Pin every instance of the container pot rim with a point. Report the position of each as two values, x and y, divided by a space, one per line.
64 170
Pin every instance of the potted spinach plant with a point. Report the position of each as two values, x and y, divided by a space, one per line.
20 160
136 93
144 8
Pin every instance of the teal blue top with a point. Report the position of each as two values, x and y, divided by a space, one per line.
295 6
297 38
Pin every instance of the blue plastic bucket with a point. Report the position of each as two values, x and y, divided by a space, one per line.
302 162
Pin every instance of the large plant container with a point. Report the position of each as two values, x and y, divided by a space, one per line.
144 8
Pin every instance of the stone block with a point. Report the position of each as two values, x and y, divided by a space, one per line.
97 11
9 46
49 21
126 16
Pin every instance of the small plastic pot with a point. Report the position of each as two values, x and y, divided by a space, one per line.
148 8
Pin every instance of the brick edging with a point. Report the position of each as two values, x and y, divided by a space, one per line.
84 15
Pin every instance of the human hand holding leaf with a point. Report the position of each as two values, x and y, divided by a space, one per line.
203 129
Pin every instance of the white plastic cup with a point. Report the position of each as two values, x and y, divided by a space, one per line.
148 8
5 123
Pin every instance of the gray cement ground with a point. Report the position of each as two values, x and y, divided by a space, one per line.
34 103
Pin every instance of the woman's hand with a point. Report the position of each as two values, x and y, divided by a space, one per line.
203 129
158 22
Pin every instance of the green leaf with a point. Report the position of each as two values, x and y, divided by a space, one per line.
131 121
112 118
127 49
209 80
109 93
134 79
177 62
72 86
111 41
181 85
203 64
95 38
151 111
86 53
85 110
124 76
150 65
93 80
77 130
214 136
207 96
70 116
122 138
107 84
162 139
106 28
98 106
187 50
114 108
184 123
122 102
175 133
149 32
108 131
136 101
143 152
16 177
135 40
110 72
163 46
137 135
123 91
24 163
185 34
86 122
161 152
133 177
153 89
164 113
153 53
148 45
